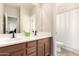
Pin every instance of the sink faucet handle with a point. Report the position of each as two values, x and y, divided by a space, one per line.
13 36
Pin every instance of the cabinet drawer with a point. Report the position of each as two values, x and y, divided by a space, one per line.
12 48
31 50
4 54
31 44
17 53
33 54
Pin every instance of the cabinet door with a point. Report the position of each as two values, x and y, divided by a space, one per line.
44 47
47 47
40 48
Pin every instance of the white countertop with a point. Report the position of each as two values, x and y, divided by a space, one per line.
21 38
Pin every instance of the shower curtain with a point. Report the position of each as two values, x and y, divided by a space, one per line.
67 28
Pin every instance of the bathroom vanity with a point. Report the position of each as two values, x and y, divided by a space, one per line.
19 18
34 46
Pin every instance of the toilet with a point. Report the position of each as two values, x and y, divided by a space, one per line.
59 44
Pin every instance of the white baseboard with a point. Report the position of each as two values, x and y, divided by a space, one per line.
71 49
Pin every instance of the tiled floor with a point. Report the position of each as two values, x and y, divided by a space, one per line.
66 53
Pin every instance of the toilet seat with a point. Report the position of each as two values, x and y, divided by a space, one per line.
59 44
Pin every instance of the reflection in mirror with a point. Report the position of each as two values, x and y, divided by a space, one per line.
10 24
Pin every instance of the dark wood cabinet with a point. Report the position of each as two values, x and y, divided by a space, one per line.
47 47
39 47
13 50
44 47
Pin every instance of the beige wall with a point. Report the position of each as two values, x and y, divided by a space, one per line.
12 11
26 14
39 18
45 17
24 19
1 17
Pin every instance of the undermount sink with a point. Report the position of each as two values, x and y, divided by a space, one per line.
13 39
9 39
